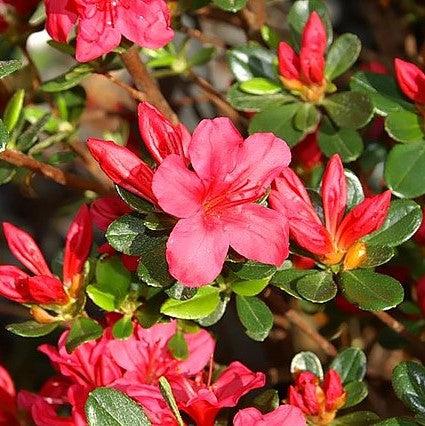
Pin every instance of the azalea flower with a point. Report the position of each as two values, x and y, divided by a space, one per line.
102 23
8 403
305 73
43 287
306 154
319 401
411 80
284 415
202 400
339 238
125 168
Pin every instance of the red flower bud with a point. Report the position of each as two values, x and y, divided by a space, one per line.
411 80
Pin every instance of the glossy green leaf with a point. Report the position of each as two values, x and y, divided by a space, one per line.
404 126
201 305
255 316
123 328
30 136
167 393
69 79
306 118
278 119
352 110
405 170
350 364
371 291
13 110
355 193
342 54
9 67
251 270
270 37
356 393
403 220
31 328
267 401
109 407
230 5
397 421
260 86
318 287
178 346
287 280
376 255
307 361
4 139
408 381
250 287
135 202
216 315
358 418
345 142
83 330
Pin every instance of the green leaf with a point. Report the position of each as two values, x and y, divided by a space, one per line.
383 91
356 393
167 393
307 361
345 142
135 202
396 421
375 256
403 220
405 170
342 54
104 300
371 291
318 287
359 418
255 316
202 56
109 407
299 14
279 120
260 86
349 109
270 37
4 139
201 305
306 118
287 280
267 401
350 364
216 315
30 137
13 110
69 79
249 61
123 328
355 193
150 312
408 380
180 292
250 287
31 328
7 171
8 67
230 5
251 270
404 126
178 346
83 330
246 102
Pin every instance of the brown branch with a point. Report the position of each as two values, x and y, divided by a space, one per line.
134 93
57 175
145 83
278 304
218 100
202 37
254 14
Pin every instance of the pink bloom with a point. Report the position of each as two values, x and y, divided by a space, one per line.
411 80
102 23
341 233
216 201
125 168
285 415
318 401
44 287
8 408
105 210
203 401
308 68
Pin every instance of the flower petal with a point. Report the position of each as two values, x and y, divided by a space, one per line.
10 279
284 415
289 62
258 233
313 47
161 137
45 289
196 250
105 210
201 349
214 148
178 190
411 80
79 240
25 249
363 219
59 20
123 167
334 193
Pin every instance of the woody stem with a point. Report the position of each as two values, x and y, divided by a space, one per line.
146 84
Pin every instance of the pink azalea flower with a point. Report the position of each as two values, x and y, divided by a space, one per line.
105 210
8 406
216 202
411 80
202 401
102 23
285 415
44 287
339 238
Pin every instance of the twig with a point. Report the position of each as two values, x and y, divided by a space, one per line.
254 14
57 175
279 305
202 37
218 100
135 94
145 83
